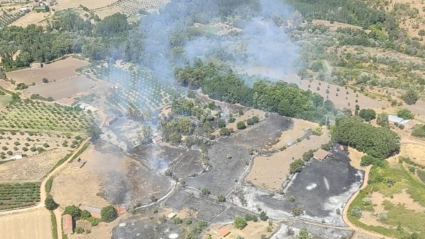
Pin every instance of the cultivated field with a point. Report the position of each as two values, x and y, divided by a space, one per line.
37 18
63 88
30 169
42 116
16 195
34 224
129 7
56 71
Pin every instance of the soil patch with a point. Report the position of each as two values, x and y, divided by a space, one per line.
55 71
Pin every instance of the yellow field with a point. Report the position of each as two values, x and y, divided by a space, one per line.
34 224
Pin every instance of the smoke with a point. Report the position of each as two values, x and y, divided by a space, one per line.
249 36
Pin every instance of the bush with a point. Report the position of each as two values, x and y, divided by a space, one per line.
308 155
356 212
221 123
224 132
367 114
418 131
405 114
255 119
108 214
50 203
250 121
263 216
369 160
239 223
45 80
85 214
240 125
410 97
296 166
79 230
249 217
48 185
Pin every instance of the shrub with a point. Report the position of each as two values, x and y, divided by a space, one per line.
45 80
296 166
308 155
224 132
240 125
418 131
263 216
356 212
405 114
297 211
255 119
85 214
250 121
383 217
367 114
221 123
239 223
108 214
249 217
79 230
410 97
48 185
50 203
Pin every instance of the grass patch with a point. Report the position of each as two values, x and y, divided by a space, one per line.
421 175
80 151
48 186
5 100
390 181
19 195
54 225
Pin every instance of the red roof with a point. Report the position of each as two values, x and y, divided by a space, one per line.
67 224
222 231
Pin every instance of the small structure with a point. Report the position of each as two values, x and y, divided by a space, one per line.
87 107
68 226
17 155
158 139
78 163
66 102
121 210
171 215
320 154
222 231
397 120
411 124
341 148
94 211
110 119
23 9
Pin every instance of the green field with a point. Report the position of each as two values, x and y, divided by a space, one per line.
19 195
390 181
5 100
421 175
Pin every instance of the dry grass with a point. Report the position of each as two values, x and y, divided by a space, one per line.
81 186
299 129
55 71
32 18
335 25
35 224
414 151
271 172
355 157
30 169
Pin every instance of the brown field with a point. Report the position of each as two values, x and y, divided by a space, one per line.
92 4
55 71
271 172
298 131
34 224
249 114
63 88
81 186
252 230
30 169
38 19
129 7
414 151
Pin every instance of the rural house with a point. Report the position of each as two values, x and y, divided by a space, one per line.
67 224
400 121
222 231
320 154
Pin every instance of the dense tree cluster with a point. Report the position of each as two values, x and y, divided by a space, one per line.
281 97
379 142
405 114
367 114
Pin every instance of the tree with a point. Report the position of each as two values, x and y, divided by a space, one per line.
85 214
74 211
405 114
109 213
421 32
221 198
221 123
239 223
410 97
303 234
50 203
367 114
263 216
145 134
45 80
382 119
241 125
308 155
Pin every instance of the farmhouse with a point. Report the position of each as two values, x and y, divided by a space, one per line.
94 211
66 102
320 154
171 215
67 224
400 121
222 231
87 107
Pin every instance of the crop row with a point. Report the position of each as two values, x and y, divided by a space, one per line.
19 195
